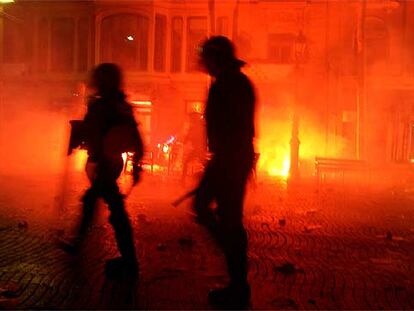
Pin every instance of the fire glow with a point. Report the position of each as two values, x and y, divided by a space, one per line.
274 145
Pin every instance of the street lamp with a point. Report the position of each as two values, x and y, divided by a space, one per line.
300 55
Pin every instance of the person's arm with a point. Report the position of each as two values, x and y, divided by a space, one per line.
93 124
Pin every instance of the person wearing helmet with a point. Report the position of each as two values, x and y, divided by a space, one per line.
109 129
229 116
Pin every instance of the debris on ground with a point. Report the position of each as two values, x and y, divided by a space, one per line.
298 252
310 228
186 242
161 247
265 225
388 236
23 224
287 269
9 291
60 232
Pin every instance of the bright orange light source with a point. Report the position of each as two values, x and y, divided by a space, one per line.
142 103
130 38
6 1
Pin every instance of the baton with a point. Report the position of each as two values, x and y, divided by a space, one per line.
184 197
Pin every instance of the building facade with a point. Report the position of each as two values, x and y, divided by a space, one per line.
344 67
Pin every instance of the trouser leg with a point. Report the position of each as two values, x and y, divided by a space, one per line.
120 222
235 252
89 201
232 236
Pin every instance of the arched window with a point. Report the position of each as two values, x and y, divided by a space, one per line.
124 40
377 40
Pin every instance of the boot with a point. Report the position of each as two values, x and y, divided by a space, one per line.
230 297
120 269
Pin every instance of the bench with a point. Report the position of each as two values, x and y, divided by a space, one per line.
337 166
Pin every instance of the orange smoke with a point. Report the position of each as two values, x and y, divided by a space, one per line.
275 134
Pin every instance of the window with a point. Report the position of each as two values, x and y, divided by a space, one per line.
176 43
83 35
223 26
281 48
377 42
15 41
43 45
124 40
160 42
196 33
62 45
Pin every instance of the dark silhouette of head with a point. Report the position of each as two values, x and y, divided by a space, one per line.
106 79
217 54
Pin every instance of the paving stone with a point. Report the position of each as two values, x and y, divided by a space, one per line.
307 250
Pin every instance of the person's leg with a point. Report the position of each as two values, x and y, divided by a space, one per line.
232 238
120 222
89 206
232 234
125 266
89 200
118 267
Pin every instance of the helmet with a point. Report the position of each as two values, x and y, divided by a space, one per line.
221 50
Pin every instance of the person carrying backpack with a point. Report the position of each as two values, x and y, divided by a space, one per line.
109 129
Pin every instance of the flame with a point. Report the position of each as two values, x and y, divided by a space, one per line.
273 144
79 159
274 159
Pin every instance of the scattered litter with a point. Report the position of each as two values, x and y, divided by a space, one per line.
265 225
186 242
310 228
298 252
9 290
287 269
23 225
161 247
388 236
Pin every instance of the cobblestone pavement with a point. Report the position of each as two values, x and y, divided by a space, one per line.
308 249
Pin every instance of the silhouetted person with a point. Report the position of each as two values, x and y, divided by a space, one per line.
229 118
109 129
195 147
